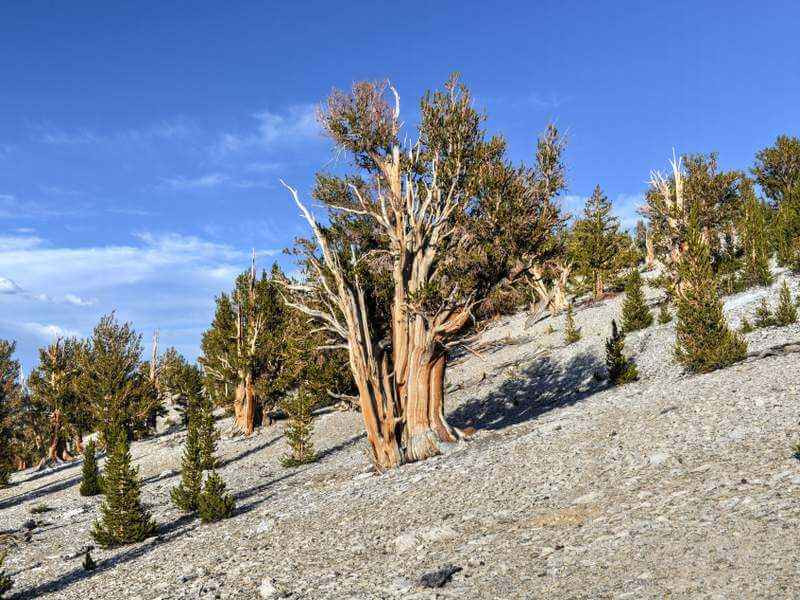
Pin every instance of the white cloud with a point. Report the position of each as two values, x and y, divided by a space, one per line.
175 129
297 123
48 331
187 183
9 287
78 301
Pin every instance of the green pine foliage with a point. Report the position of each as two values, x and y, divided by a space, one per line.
91 481
635 314
620 369
786 313
596 246
571 333
764 316
745 326
755 239
664 316
209 435
298 407
123 518
215 503
704 341
6 582
185 496
9 396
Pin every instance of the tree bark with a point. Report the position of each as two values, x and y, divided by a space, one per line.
599 288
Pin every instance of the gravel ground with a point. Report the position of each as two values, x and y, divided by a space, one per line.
674 486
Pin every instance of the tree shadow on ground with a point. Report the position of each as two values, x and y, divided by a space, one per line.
249 452
542 386
341 446
44 490
166 532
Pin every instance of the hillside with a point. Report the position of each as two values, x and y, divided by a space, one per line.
672 486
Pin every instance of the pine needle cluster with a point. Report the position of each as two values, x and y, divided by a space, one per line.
91 480
571 333
635 314
123 518
764 316
621 370
704 341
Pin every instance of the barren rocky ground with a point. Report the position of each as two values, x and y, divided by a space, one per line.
675 486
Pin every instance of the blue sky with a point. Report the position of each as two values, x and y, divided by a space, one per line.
141 143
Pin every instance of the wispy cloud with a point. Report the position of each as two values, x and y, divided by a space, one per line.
175 129
12 207
48 332
209 180
297 123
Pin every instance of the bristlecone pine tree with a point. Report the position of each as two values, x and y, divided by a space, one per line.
215 503
786 313
571 333
91 482
447 220
704 341
5 579
764 317
185 496
123 518
596 246
207 430
298 407
664 316
620 369
635 314
754 235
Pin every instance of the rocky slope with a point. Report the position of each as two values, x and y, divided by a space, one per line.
674 486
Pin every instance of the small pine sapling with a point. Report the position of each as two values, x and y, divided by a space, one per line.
88 561
786 313
299 429
91 481
745 326
571 333
185 495
215 503
764 316
123 519
621 370
635 314
664 316
6 583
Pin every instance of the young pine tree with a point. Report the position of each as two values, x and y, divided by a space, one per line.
123 518
186 495
6 582
596 245
208 438
664 316
621 370
635 314
786 313
754 232
215 503
704 341
91 482
571 333
299 429
764 317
